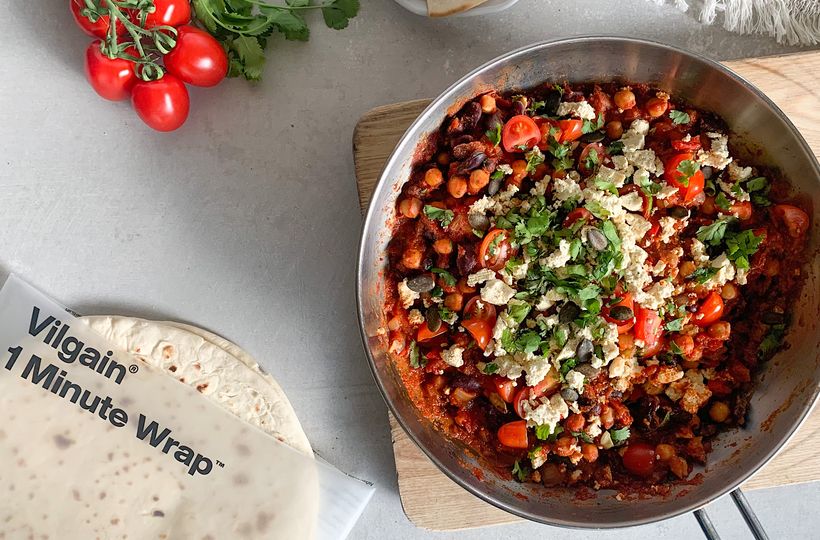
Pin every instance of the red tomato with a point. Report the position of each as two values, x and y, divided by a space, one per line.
709 311
648 326
795 219
425 334
649 352
169 13
625 300
527 393
162 104
495 249
653 230
599 157
111 78
99 28
514 434
675 178
576 214
197 58
687 146
741 210
505 388
479 321
639 458
520 130
570 130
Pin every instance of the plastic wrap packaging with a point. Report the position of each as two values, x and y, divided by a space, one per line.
97 444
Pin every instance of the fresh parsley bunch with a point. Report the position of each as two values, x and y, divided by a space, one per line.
244 26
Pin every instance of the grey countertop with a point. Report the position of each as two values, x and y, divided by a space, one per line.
245 221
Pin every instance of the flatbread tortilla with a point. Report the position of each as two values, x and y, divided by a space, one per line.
217 368
442 8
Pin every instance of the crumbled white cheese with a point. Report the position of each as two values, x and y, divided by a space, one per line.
641 177
610 347
497 292
518 272
606 441
622 165
483 205
718 156
666 191
453 356
658 269
726 272
605 201
741 275
605 174
415 317
549 299
632 201
668 229
618 367
508 367
545 412
738 173
485 274
575 380
698 252
639 126
646 160
406 296
540 186
656 295
581 109
536 367
690 392
565 188
559 257
593 427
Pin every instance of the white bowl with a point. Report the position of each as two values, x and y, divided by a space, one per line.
419 7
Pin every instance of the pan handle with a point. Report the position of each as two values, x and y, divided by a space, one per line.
745 510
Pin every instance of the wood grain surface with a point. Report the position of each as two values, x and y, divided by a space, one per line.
429 498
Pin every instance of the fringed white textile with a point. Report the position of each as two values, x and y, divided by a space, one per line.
789 21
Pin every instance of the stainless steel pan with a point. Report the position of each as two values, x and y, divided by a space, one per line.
790 381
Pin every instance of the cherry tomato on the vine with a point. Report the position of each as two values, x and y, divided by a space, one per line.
98 28
162 104
197 58
169 13
111 78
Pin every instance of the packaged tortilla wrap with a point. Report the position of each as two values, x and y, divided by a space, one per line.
97 443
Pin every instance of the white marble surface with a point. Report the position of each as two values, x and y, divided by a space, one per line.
245 221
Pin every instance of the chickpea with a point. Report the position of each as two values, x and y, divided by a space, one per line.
551 475
519 167
607 417
771 268
686 269
741 210
614 129
443 159
433 178
679 467
590 452
729 291
624 99
626 341
410 207
574 422
457 186
463 288
394 324
720 330
454 301
665 452
719 411
479 178
564 446
708 207
685 343
487 103
443 246
631 114
653 389
656 107
412 258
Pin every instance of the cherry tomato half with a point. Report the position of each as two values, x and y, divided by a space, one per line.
639 458
676 178
197 58
505 388
520 130
495 249
546 386
795 219
162 104
648 326
425 334
99 28
576 214
169 13
587 152
624 325
571 129
479 321
709 311
514 434
111 78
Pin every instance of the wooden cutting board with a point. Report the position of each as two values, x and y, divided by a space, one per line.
433 501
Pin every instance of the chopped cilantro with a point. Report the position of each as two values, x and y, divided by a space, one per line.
741 246
534 158
687 169
722 202
619 436
603 185
490 368
713 233
675 348
617 147
566 366
545 432
702 274
771 342
520 472
562 164
535 106
448 278
518 311
675 325
528 342
756 184
581 435
608 228
445 217
597 210
589 126
498 174
494 135
592 159
575 248
437 291
679 117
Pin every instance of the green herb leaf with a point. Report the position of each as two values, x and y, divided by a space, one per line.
338 13
445 217
676 325
756 184
417 360
741 246
679 117
520 472
617 147
713 233
702 274
591 160
581 435
534 158
687 168
608 228
675 348
722 202
495 137
528 342
518 311
619 436
448 278
545 432
490 368
589 126
772 341
566 366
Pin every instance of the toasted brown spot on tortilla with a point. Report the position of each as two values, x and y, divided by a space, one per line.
75 494
158 513
102 495
114 521
172 369
62 441
262 521
168 351
202 386
245 529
